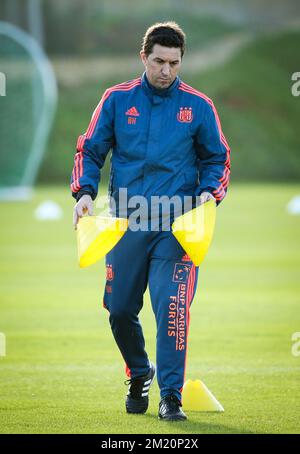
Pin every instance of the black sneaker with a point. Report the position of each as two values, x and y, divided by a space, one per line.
169 409
137 400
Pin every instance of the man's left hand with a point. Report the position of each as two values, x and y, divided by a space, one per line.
205 197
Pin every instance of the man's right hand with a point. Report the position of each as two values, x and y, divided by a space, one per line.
83 206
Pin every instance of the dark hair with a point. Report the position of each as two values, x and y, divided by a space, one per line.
167 34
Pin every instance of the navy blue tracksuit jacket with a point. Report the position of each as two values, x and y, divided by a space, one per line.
164 142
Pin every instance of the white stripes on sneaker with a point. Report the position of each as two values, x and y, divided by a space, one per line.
163 408
146 387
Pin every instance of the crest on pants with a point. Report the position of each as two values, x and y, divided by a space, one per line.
109 273
181 272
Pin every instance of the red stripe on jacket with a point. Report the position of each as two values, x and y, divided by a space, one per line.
126 86
224 180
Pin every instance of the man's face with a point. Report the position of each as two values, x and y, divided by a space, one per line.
162 65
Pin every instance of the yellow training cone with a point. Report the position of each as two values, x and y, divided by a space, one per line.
96 236
197 397
194 230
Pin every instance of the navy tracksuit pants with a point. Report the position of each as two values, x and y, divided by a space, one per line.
153 258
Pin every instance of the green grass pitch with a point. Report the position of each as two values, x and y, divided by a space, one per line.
62 372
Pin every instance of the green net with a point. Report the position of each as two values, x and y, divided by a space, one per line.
26 110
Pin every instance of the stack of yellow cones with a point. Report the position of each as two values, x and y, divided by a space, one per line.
197 397
194 230
96 236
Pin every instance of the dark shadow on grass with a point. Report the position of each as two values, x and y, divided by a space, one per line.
193 427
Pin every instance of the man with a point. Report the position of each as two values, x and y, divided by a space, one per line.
166 141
